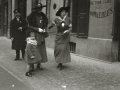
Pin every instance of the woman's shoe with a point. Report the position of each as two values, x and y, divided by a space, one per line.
16 59
29 74
60 66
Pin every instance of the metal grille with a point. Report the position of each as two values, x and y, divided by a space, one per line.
72 47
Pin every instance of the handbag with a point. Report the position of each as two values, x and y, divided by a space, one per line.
46 34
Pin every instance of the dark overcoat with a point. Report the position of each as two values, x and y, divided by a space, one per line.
35 21
32 50
19 41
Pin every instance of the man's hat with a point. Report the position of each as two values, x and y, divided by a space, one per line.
39 5
16 11
61 9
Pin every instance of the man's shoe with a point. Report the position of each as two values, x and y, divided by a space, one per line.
60 68
29 74
16 59
58 65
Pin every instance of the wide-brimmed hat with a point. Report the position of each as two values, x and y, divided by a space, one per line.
61 9
16 11
39 5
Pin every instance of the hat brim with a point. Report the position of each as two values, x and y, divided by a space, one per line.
41 6
61 9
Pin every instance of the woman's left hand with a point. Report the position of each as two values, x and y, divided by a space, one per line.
66 31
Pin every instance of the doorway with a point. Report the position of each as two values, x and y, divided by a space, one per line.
80 17
5 19
116 29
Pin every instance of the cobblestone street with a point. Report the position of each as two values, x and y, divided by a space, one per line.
81 74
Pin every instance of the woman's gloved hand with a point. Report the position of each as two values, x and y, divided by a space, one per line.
66 31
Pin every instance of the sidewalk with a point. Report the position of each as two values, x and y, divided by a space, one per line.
81 74
9 82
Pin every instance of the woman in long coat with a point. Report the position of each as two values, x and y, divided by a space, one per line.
38 22
64 26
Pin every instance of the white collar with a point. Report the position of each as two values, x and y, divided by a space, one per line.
34 42
63 18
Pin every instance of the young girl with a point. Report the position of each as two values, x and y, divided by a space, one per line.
32 54
62 39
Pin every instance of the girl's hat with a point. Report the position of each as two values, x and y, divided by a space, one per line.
61 9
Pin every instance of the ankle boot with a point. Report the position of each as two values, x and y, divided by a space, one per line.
39 67
29 74
60 66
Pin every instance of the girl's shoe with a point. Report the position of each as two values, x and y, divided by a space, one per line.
29 74
39 68
32 73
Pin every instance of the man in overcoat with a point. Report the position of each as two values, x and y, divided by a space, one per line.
38 22
18 27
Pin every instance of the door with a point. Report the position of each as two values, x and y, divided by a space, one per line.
116 32
81 17
5 19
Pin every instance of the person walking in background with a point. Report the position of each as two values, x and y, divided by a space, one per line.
32 54
18 27
38 22
62 39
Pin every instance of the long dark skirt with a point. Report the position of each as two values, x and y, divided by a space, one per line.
62 53
42 49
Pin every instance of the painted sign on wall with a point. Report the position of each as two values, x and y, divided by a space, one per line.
98 13
101 18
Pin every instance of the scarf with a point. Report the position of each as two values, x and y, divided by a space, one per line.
30 41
